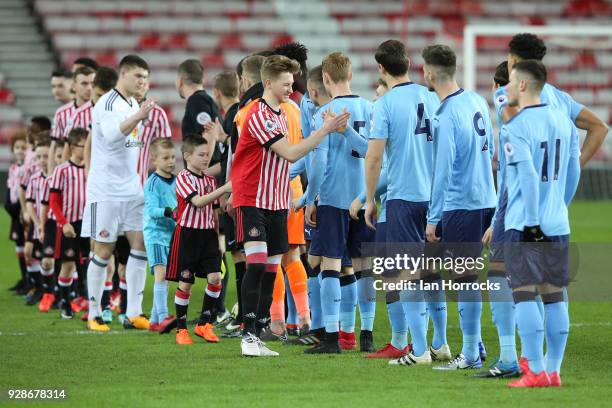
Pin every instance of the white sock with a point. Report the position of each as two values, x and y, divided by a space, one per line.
135 277
96 275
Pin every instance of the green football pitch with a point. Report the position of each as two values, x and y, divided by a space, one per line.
129 368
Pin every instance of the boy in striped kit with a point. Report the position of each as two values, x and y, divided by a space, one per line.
12 205
160 202
67 203
37 195
194 248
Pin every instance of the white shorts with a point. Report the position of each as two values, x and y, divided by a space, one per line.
105 221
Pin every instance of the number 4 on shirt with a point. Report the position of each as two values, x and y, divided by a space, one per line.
423 125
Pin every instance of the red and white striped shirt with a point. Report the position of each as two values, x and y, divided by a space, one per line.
62 119
81 118
69 180
38 194
189 185
29 167
156 125
260 178
13 181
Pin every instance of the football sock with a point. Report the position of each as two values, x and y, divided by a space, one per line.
503 314
397 318
314 298
240 268
251 284
436 308
292 315
277 309
47 279
348 303
267 287
135 276
105 302
181 303
96 273
64 285
220 306
330 299
124 296
160 300
469 303
211 295
21 260
540 304
531 329
366 294
557 331
415 310
296 276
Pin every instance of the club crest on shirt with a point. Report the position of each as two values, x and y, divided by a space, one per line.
203 118
269 125
254 232
208 189
146 122
104 234
508 149
501 100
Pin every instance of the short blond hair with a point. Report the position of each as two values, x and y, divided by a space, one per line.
275 65
160 143
251 67
338 66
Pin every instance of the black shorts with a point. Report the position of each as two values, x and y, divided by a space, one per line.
73 249
269 226
229 228
53 237
193 253
17 232
122 249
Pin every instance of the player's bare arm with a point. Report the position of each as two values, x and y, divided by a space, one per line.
294 152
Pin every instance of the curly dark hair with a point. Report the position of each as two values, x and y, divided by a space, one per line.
527 46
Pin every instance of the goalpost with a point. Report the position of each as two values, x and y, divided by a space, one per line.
588 80
471 32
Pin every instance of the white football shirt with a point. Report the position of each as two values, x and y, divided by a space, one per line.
114 156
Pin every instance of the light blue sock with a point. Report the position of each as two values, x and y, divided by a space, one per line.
557 330
292 317
348 304
469 303
399 325
314 300
154 317
538 300
502 312
160 300
436 308
331 297
415 309
367 301
531 331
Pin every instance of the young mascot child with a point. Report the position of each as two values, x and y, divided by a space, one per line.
194 248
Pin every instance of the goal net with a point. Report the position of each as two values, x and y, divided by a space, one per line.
578 60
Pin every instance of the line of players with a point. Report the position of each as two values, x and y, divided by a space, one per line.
420 142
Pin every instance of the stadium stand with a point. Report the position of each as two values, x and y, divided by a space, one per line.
220 33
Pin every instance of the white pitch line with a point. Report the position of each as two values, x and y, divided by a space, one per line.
120 332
